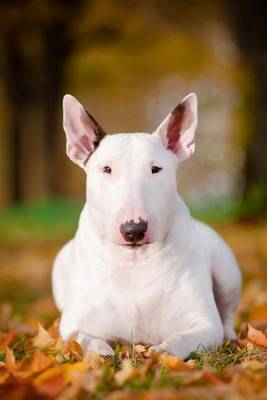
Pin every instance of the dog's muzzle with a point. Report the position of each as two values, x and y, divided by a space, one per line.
134 232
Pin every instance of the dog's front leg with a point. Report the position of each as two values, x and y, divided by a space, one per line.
96 345
70 327
181 345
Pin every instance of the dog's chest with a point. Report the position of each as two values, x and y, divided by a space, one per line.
118 313
139 306
117 310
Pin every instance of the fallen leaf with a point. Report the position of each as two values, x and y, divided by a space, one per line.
33 365
191 363
42 340
52 387
173 363
188 378
259 324
49 373
68 371
10 360
256 337
139 348
6 338
72 370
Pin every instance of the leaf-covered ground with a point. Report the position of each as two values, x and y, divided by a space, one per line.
35 363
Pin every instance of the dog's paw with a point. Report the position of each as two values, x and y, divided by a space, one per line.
229 333
169 347
157 348
95 345
101 347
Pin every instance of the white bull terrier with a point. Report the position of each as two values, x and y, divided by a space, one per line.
140 269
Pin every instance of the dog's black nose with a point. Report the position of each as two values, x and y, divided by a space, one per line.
134 232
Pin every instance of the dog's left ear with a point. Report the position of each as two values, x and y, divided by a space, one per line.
177 131
83 133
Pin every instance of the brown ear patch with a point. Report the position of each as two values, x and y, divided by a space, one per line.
88 120
99 131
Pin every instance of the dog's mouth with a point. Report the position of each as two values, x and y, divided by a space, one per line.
133 245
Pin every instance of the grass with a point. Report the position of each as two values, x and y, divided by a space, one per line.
116 360
57 219
51 220
226 354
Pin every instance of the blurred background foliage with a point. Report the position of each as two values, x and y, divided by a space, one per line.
130 62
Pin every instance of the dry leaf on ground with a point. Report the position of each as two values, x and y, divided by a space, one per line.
42 340
257 337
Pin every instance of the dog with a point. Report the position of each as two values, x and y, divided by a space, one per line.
140 269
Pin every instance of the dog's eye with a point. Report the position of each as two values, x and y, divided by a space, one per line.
106 169
155 169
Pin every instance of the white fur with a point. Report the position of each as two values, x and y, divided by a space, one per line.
177 293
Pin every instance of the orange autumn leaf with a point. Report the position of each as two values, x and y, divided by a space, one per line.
67 350
49 373
6 338
33 365
52 387
259 324
68 371
173 363
256 337
72 370
39 362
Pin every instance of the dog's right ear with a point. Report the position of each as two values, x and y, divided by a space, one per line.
83 133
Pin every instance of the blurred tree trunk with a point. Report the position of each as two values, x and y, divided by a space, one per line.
14 66
25 135
36 46
249 23
57 50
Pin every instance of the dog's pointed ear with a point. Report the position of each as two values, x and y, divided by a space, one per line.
83 133
177 131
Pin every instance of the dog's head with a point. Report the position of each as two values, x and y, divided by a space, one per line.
131 178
